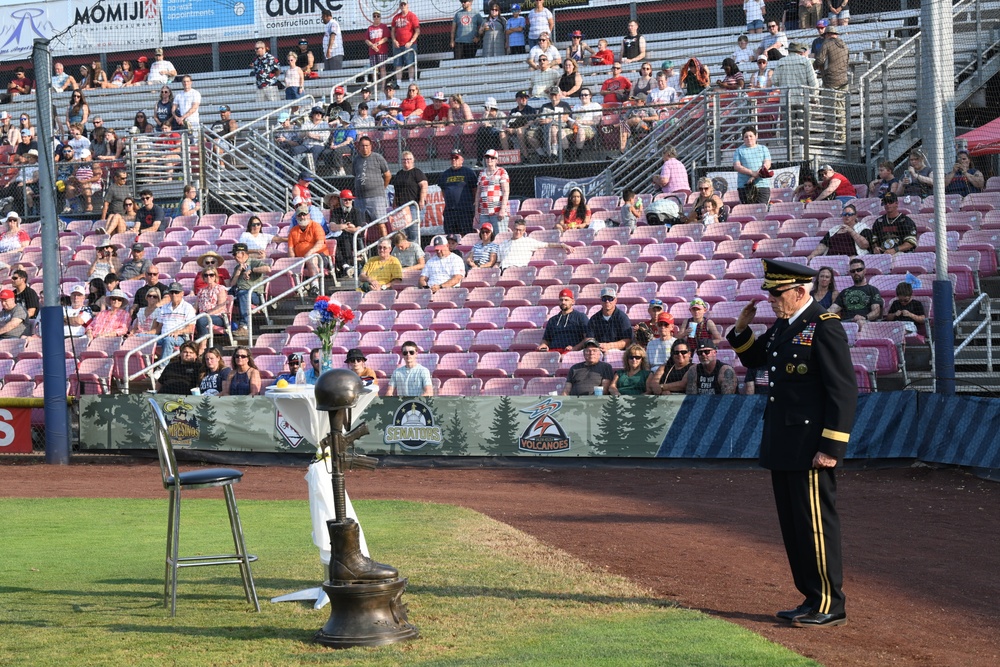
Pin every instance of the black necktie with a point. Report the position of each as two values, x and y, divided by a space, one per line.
779 328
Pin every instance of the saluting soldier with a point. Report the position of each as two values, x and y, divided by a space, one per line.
807 424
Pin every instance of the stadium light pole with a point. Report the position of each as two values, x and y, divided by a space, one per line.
938 128
57 445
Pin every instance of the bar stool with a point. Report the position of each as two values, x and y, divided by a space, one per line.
174 481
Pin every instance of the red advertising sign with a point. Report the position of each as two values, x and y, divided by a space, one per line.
15 430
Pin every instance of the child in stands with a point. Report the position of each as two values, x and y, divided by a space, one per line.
631 210
604 55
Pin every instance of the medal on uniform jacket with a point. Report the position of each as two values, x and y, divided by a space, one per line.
805 337
790 368
802 369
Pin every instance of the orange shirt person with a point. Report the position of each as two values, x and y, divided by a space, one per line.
307 238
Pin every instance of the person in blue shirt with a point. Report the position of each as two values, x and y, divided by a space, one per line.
314 371
516 30
458 185
294 364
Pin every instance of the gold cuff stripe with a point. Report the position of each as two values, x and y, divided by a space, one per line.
830 434
746 346
819 542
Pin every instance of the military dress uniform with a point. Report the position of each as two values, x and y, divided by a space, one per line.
810 408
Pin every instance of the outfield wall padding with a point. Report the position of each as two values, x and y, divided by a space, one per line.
944 429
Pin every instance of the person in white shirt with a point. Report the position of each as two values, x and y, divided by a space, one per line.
161 71
544 47
333 42
518 249
444 270
76 314
662 93
186 105
170 317
587 116
673 77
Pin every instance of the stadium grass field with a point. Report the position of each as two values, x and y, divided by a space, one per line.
81 583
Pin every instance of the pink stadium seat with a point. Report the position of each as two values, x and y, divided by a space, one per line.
963 221
527 317
773 248
517 276
986 241
546 257
611 236
686 232
526 340
797 228
820 210
748 212
722 231
758 230
706 269
714 291
271 364
376 320
839 263
806 245
887 338
412 298
631 293
522 296
10 348
481 278
456 365
496 365
351 299
413 320
554 275
680 291
424 340
269 343
503 387
544 386
25 370
621 254
658 252
383 364
451 319
927 242
741 269
628 273
484 297
913 262
539 204
749 290
568 360
301 324
378 342
460 387
493 340
725 314
591 274
453 341
662 272
645 235
577 237
781 211
302 342
17 388
951 203
488 318
448 297
380 300
585 255
983 202
734 249
695 250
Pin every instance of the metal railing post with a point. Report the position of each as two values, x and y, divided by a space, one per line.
387 219
128 377
319 279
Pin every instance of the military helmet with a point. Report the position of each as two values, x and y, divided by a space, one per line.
338 389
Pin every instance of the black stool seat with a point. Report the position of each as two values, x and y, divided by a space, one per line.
207 477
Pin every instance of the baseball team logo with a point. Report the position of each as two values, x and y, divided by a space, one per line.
412 427
182 423
544 433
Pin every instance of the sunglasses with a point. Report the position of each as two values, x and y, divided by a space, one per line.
776 292
241 356
153 274
705 189
294 363
847 215
314 361
679 352
211 275
607 299
635 357
705 351
857 270
210 261
145 197
409 353
584 94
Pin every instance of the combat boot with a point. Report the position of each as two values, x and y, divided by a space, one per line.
347 563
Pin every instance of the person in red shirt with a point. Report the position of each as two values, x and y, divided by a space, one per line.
141 71
835 186
307 238
616 89
378 39
300 191
211 260
413 103
438 110
405 31
20 84
603 55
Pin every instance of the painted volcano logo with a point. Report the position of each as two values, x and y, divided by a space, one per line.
412 427
544 433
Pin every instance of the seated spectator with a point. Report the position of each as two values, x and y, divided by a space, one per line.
484 254
77 314
543 79
356 362
852 237
213 372
774 44
363 120
698 328
835 186
14 238
454 240
13 317
762 78
212 301
339 104
631 380
85 183
113 321
24 294
313 134
105 261
521 119
576 214
152 280
671 377
61 81
893 232
345 220
643 84
673 174
963 178
695 77
141 73
806 190
410 379
211 260
149 214
886 182
189 203
244 380
860 302
710 377
410 255
382 271
743 52
442 270
733 79
126 221
413 105
20 84
603 55
247 275
294 365
824 290
904 309
458 109
95 295
712 213
171 318
145 317
122 76
339 150
662 93
492 131
287 135
577 51
586 118
616 88
518 249
307 239
571 80
552 126
918 179
631 210
706 192
543 48
591 374
567 329
438 110
658 349
136 265
610 326
183 372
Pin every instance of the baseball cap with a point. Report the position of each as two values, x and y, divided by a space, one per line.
822 23
665 317
339 89
576 33
143 59
657 303
316 110
491 153
761 57
224 107
158 52
439 95
295 356
457 238
667 64
515 7
138 247
78 289
283 116
825 167
889 198
346 194
240 247
608 290
439 241
522 93
305 175
456 151
26 133
306 41
590 342
486 227
176 287
490 103
699 302
33 152
4 115
355 354
13 216
707 344
366 89
553 90
566 292
6 294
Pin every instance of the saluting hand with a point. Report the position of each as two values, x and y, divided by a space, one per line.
746 316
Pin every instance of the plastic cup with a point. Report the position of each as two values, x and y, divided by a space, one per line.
598 391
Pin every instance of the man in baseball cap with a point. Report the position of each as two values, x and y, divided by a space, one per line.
444 269
294 364
565 330
76 315
610 325
13 315
171 318
658 349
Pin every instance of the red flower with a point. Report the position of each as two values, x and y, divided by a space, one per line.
347 315
334 309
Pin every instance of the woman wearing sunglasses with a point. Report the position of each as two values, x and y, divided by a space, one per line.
672 376
245 378
631 380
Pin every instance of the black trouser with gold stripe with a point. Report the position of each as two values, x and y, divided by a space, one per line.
807 512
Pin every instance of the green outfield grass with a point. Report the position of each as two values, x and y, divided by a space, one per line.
81 584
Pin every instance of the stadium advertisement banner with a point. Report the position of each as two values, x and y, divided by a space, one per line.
784 177
554 188
15 430
195 21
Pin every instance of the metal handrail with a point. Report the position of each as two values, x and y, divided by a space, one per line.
319 278
387 218
374 70
276 111
987 324
128 377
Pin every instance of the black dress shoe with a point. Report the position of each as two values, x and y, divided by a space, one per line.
790 614
816 619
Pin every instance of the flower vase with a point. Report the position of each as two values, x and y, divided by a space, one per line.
325 359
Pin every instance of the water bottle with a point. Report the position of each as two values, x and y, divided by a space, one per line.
300 376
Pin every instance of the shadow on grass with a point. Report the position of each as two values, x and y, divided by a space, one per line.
226 632
523 594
